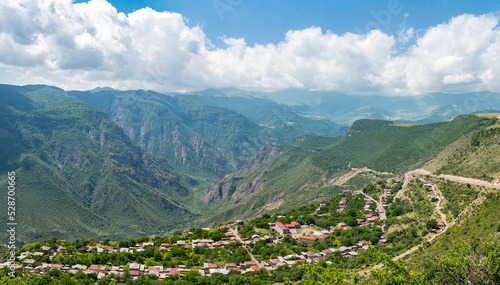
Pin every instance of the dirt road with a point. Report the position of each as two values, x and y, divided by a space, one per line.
237 235
460 179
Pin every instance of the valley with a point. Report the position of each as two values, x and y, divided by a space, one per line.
143 166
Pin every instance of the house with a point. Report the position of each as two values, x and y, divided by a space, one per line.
40 254
28 262
328 251
251 263
220 271
210 265
134 266
282 229
362 243
154 270
221 243
343 202
441 224
110 249
57 266
310 255
360 221
274 261
239 222
309 240
269 238
148 244
133 273
344 249
94 269
323 237
254 267
101 275
230 266
373 219
173 271
341 225
340 211
45 248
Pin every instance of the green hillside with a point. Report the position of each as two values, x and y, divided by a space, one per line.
314 166
388 146
78 173
475 156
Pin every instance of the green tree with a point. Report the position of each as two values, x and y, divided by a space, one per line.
431 224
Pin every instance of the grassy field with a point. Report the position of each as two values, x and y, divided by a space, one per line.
489 115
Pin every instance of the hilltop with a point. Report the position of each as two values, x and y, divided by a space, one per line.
314 167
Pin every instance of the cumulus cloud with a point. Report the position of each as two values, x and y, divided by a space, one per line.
84 45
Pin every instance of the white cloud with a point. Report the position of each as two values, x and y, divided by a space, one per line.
81 46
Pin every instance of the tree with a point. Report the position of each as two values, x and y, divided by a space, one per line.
431 224
323 275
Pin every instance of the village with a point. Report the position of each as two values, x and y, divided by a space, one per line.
307 235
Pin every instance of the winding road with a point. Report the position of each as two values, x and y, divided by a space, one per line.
455 178
237 235
405 183
380 209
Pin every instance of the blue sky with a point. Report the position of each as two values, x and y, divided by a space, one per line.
265 21
390 47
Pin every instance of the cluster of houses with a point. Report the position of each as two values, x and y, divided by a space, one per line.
134 269
342 205
309 256
430 188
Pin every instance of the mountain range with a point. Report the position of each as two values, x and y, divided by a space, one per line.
119 164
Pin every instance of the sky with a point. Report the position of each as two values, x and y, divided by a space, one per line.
390 47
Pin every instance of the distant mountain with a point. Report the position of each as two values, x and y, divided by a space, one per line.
203 135
266 112
345 109
78 174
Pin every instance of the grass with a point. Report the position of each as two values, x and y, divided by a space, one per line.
401 124
488 115
481 225
475 155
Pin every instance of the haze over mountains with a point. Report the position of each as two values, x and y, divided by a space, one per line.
124 163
